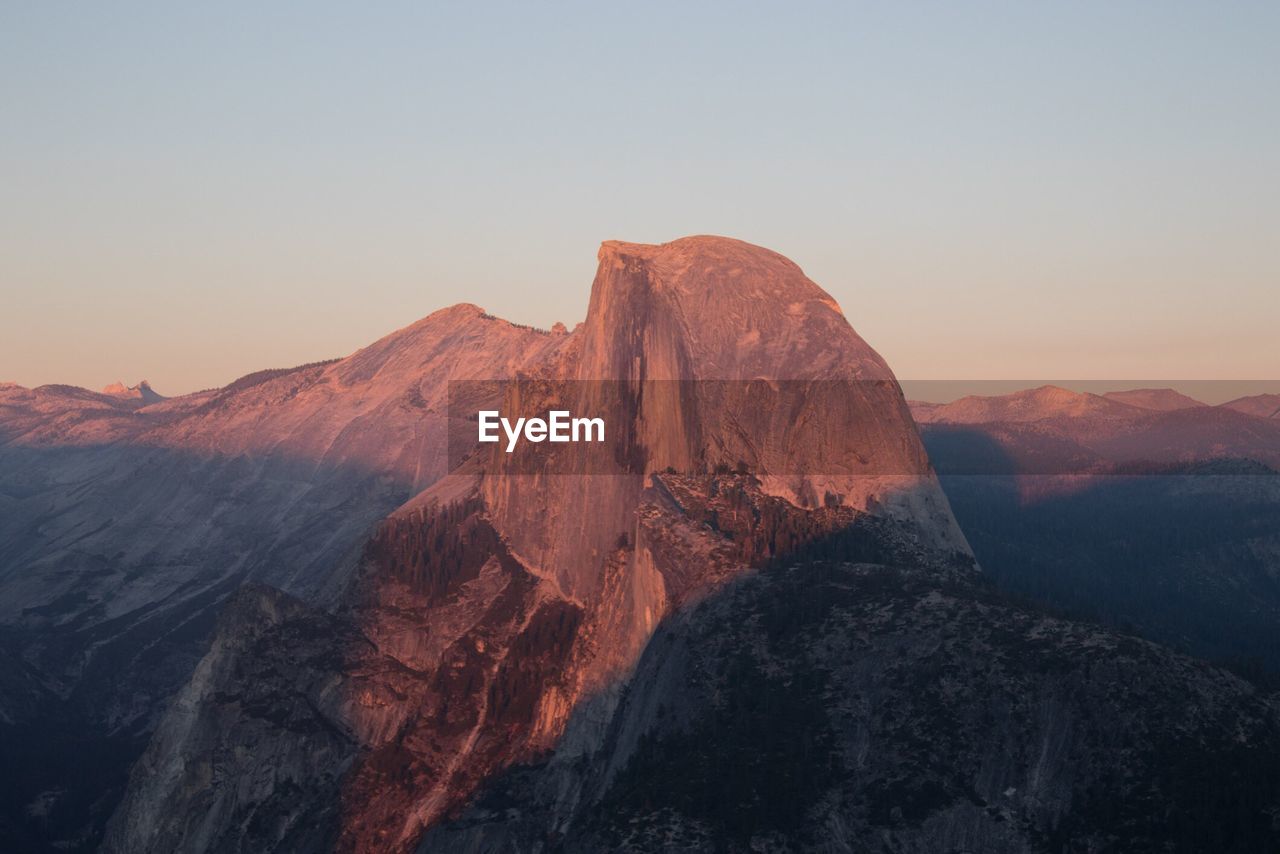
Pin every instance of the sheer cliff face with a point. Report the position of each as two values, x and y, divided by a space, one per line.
715 309
739 328
719 354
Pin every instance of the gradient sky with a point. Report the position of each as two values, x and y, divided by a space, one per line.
189 192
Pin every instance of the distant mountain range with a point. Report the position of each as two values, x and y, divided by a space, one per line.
1052 430
1144 509
1262 405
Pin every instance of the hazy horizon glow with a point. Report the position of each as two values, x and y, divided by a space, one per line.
989 191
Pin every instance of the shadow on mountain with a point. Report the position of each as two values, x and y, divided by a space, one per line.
1183 553
858 690
114 563
904 704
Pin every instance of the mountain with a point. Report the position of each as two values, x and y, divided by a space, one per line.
1036 404
124 529
897 706
1159 399
1179 505
142 393
495 604
1052 430
1262 405
316 614
697 609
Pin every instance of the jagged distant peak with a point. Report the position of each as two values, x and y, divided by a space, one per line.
142 391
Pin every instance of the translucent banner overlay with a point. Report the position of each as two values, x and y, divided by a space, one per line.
839 428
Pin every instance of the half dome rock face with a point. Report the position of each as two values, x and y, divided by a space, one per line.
713 308
505 605
709 354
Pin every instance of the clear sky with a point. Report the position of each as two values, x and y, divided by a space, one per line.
191 191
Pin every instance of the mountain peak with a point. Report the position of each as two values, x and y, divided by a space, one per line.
1027 405
141 392
715 308
704 246
734 325
1052 393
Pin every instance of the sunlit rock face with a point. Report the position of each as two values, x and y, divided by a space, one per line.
693 338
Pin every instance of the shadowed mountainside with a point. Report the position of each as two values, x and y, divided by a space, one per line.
898 705
1179 506
123 529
